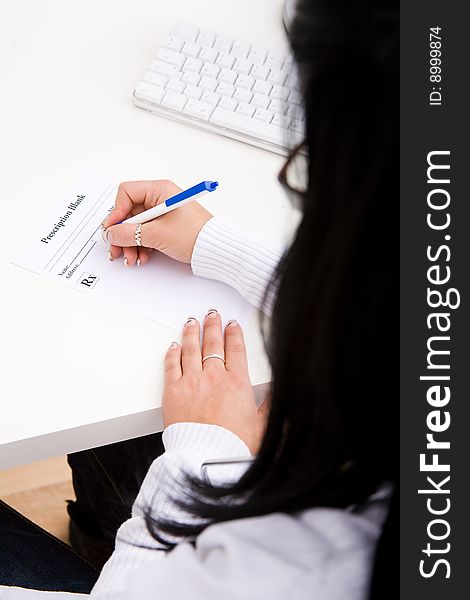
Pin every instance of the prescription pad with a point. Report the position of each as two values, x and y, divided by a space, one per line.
68 248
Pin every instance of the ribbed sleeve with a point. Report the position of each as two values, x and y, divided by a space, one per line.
187 447
239 258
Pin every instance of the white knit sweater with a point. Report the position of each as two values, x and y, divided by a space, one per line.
318 554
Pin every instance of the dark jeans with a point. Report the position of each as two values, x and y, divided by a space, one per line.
32 558
106 482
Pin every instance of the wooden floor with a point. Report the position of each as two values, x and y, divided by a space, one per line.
39 492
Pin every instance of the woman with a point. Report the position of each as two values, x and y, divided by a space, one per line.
302 500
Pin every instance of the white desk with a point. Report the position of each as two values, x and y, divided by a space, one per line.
70 377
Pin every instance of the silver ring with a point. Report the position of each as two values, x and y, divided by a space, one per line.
138 235
219 356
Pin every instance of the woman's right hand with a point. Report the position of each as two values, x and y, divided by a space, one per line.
174 234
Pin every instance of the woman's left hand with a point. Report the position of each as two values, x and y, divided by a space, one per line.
212 392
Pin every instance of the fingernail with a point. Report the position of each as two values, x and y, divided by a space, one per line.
126 262
232 323
103 226
190 322
139 264
104 235
211 313
110 256
173 345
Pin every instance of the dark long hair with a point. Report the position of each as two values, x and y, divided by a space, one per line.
332 433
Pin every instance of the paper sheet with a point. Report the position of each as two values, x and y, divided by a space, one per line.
68 248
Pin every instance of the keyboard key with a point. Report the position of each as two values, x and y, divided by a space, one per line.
279 93
225 61
295 98
222 44
192 64
292 82
240 49
173 43
245 109
225 89
245 81
155 78
228 103
274 61
185 31
242 95
260 101
208 55
263 87
227 76
190 49
207 83
175 85
289 62
277 77
278 107
280 120
164 69
294 111
192 91
298 126
206 38
191 78
257 55
263 115
259 72
210 98
149 92
198 109
239 122
170 57
209 70
242 66
174 101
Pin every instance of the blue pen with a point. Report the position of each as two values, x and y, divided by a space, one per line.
193 193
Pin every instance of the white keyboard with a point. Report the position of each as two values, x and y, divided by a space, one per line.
225 86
